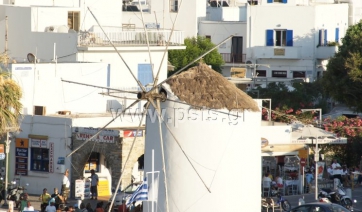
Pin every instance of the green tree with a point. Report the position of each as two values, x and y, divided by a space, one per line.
10 105
343 78
195 47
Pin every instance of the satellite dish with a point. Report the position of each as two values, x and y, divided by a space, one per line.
31 58
62 29
249 63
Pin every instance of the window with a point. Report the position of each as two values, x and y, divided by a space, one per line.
323 37
282 37
73 20
39 159
141 162
145 74
208 37
173 5
93 162
278 1
280 74
260 73
298 74
337 35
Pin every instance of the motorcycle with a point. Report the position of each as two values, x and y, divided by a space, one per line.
268 202
15 193
338 196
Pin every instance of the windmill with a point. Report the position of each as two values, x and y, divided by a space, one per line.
207 93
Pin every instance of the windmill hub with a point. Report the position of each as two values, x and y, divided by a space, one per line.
151 95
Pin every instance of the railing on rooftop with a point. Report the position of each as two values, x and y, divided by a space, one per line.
129 35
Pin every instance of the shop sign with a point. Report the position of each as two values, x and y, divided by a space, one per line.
132 133
98 138
35 143
2 148
91 130
21 152
22 142
51 157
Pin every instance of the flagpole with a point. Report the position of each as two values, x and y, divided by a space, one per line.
153 177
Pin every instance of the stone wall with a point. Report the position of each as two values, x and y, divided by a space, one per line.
115 157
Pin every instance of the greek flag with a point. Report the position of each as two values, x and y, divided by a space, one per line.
141 193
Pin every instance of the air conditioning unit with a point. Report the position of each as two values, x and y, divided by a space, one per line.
39 110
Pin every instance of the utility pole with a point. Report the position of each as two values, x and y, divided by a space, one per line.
7 150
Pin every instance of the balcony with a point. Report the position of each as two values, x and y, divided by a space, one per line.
277 52
326 52
129 36
233 58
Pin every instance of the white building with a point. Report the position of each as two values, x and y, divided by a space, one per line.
280 40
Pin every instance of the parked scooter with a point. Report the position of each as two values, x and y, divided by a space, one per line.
15 193
268 202
338 196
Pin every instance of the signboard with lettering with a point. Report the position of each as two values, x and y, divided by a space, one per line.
320 141
22 142
21 162
51 157
132 133
279 52
106 136
35 143
2 148
43 143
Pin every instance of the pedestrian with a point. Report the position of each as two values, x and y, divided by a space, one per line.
133 207
23 202
51 206
44 198
29 207
337 170
99 207
94 184
89 207
58 198
65 186
82 207
123 207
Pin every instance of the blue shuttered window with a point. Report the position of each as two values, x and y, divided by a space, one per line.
269 37
270 1
325 37
289 37
145 74
285 1
337 35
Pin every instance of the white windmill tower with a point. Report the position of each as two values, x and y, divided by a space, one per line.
205 139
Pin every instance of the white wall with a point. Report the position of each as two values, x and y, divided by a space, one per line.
277 134
221 158
226 14
43 87
59 132
190 12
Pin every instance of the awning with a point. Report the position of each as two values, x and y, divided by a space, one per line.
281 149
308 134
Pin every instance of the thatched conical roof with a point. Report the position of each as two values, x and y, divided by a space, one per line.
203 87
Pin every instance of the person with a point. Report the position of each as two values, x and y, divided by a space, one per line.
82 207
51 206
266 178
76 208
123 207
28 207
309 177
94 184
89 207
65 186
99 207
44 198
345 175
270 175
279 181
330 172
58 198
23 202
69 208
337 170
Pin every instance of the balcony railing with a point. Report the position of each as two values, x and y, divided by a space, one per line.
233 58
127 38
